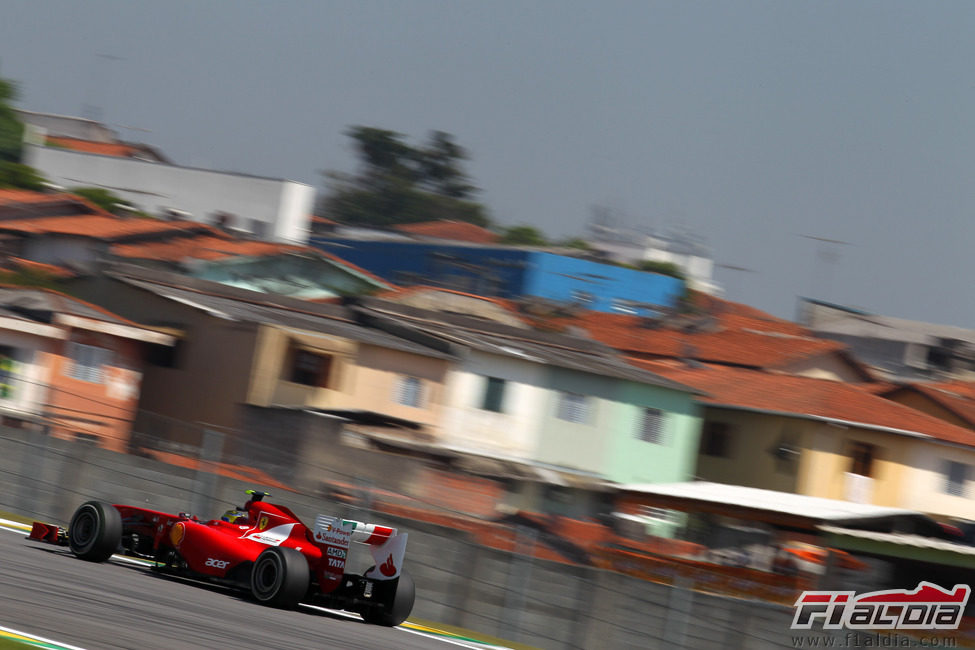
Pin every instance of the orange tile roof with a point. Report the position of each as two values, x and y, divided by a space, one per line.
51 269
956 396
119 149
214 245
208 246
30 198
805 397
98 226
8 196
452 230
959 388
728 339
400 292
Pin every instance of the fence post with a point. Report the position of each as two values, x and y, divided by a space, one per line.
32 466
205 485
463 568
679 611
519 575
603 617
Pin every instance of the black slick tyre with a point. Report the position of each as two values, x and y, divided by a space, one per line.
398 605
95 531
280 577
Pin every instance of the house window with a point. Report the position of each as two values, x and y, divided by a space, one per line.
409 391
310 368
164 356
716 439
86 362
862 455
652 428
956 476
493 395
573 408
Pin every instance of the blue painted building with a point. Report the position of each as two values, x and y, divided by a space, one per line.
509 272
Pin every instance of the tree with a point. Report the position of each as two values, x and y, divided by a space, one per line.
663 268
13 174
523 236
398 183
104 199
11 128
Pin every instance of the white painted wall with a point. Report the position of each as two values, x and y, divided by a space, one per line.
283 207
923 487
30 373
514 432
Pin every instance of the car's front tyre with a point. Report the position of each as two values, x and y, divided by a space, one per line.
95 531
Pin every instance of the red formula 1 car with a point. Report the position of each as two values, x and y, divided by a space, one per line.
263 548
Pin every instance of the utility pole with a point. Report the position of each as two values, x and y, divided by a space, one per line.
90 110
739 270
827 255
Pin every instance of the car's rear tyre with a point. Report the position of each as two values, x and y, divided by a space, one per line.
95 531
398 605
280 577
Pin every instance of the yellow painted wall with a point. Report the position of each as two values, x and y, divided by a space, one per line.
749 462
830 367
268 384
823 464
361 377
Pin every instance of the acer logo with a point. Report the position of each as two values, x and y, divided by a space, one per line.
217 564
332 562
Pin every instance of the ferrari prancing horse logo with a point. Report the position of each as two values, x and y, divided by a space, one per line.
262 524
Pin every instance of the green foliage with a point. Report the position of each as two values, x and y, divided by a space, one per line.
398 183
104 199
576 242
523 236
664 268
16 175
11 128
30 278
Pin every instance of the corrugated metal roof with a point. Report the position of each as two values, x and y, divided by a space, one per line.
901 539
559 350
35 302
817 508
252 312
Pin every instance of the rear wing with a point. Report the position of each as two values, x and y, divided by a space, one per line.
387 545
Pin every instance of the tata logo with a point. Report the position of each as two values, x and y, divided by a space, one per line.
217 564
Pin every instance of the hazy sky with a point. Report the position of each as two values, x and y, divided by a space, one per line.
747 123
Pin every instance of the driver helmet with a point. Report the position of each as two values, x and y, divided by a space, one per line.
235 516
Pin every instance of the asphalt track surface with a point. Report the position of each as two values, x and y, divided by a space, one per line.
46 591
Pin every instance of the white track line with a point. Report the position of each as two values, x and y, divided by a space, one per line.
34 637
